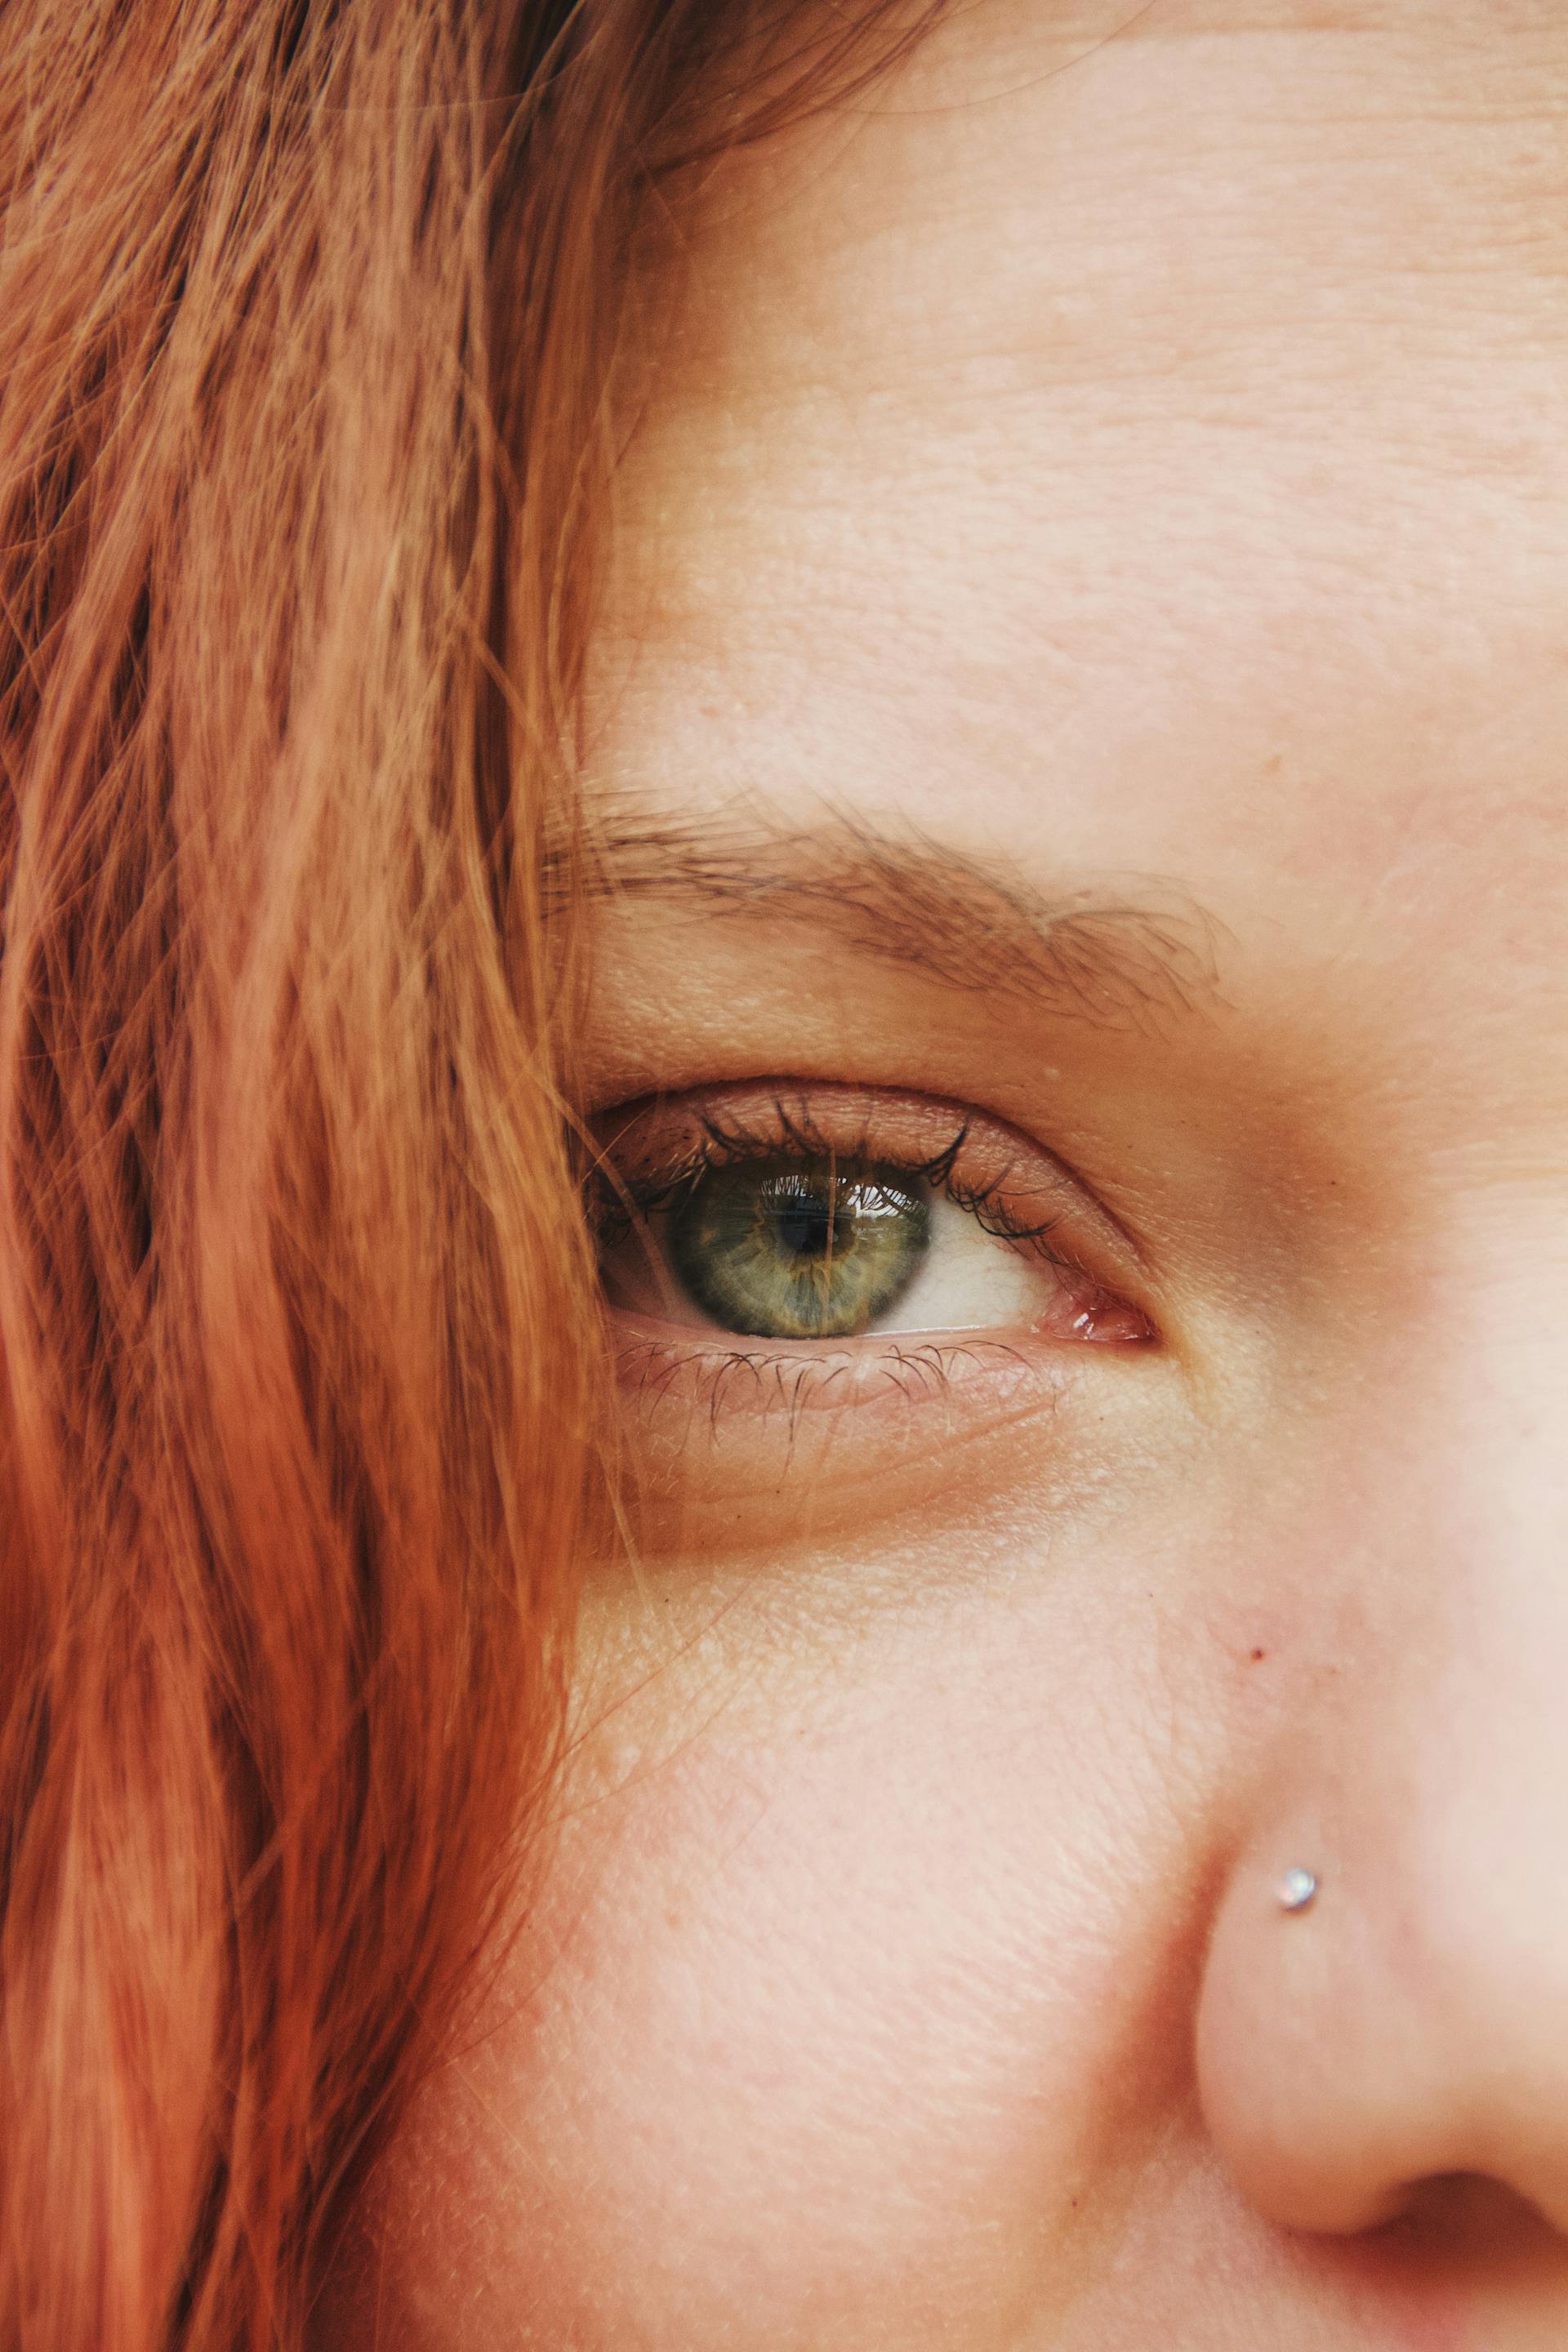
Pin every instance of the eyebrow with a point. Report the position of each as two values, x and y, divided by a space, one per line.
1125 958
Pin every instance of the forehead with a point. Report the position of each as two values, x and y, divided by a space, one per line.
1141 449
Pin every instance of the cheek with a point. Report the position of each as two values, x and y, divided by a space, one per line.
831 2015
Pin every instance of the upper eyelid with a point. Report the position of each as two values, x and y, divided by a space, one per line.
800 1112
972 1129
785 1128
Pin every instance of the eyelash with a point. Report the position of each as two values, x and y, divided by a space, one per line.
621 1201
914 1374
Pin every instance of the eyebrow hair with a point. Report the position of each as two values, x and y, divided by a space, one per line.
1125 958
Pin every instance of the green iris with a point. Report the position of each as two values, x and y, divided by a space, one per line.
799 1249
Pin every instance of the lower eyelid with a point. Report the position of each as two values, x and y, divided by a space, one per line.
719 1382
764 1451
669 1366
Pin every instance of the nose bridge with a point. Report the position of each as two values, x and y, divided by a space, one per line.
1469 1552
1451 1523
1412 2020
1454 1457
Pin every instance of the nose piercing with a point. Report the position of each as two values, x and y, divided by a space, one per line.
1297 1890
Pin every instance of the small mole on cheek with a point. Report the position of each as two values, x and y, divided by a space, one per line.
1258 1657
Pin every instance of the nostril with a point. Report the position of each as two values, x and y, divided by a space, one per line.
1459 2242
1468 2219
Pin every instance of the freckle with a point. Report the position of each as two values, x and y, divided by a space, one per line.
1258 1657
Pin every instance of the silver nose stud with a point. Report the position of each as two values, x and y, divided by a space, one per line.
1297 1890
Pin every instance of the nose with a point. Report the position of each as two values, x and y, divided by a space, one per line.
1410 2022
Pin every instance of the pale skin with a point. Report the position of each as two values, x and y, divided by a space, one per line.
1124 465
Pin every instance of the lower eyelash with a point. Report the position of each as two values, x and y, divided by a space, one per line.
707 1377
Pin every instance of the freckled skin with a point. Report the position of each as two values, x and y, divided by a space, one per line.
1107 457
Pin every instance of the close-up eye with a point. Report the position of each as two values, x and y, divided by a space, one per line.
832 1216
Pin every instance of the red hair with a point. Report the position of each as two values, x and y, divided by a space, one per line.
306 320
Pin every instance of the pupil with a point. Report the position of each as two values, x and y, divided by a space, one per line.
802 1227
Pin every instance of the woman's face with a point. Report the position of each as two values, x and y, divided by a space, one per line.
1083 731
